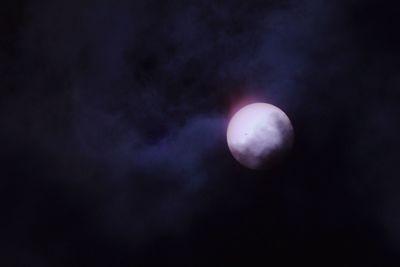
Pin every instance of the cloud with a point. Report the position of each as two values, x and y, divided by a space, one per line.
121 108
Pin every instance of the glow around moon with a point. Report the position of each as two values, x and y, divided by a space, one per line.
259 135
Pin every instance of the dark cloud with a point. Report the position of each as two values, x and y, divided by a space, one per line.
113 117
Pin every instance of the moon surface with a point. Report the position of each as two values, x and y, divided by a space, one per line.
259 135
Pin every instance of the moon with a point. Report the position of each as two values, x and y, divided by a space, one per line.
259 135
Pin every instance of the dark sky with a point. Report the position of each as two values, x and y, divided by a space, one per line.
112 133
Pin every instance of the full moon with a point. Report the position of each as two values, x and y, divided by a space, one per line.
259 135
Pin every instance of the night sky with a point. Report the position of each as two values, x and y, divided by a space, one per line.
113 118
